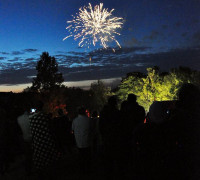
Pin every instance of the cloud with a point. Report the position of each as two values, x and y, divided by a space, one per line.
174 58
60 52
59 55
77 53
5 53
30 50
30 59
104 63
14 77
131 42
17 52
67 60
118 51
2 58
153 36
15 59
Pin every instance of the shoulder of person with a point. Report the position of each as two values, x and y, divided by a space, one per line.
19 117
35 115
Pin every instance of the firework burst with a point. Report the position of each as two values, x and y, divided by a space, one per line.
91 25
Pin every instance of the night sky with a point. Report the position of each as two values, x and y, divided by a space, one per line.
165 33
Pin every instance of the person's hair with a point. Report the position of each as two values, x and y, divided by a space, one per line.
82 110
132 98
112 101
189 93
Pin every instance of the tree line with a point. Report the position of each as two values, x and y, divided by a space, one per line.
153 85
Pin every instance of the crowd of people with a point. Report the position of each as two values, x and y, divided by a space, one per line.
164 144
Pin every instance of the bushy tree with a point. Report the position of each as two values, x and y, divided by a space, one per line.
156 86
48 76
99 94
133 83
151 83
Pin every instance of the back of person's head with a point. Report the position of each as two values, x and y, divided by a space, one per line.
157 113
112 101
132 98
82 111
189 93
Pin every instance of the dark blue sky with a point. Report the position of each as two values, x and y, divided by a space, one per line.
156 32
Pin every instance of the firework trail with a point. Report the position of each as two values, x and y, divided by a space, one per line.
93 25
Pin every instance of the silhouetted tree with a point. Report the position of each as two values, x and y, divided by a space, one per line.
100 94
48 76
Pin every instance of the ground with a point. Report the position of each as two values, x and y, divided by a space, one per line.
67 168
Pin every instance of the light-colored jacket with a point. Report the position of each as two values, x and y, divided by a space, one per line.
82 131
24 124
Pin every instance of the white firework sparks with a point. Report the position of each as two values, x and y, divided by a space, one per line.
93 25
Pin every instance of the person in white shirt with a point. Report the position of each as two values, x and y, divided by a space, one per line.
81 127
24 123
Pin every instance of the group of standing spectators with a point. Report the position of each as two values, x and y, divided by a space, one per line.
166 146
118 137
46 139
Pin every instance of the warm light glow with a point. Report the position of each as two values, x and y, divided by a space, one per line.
87 113
94 24
14 88
81 84
145 121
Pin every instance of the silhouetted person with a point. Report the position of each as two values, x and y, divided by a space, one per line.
151 150
96 136
81 126
13 131
24 123
45 151
109 128
186 132
60 127
3 142
131 116
170 149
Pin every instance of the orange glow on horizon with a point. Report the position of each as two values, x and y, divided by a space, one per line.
85 84
14 88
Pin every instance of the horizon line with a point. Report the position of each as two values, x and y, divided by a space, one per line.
83 84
